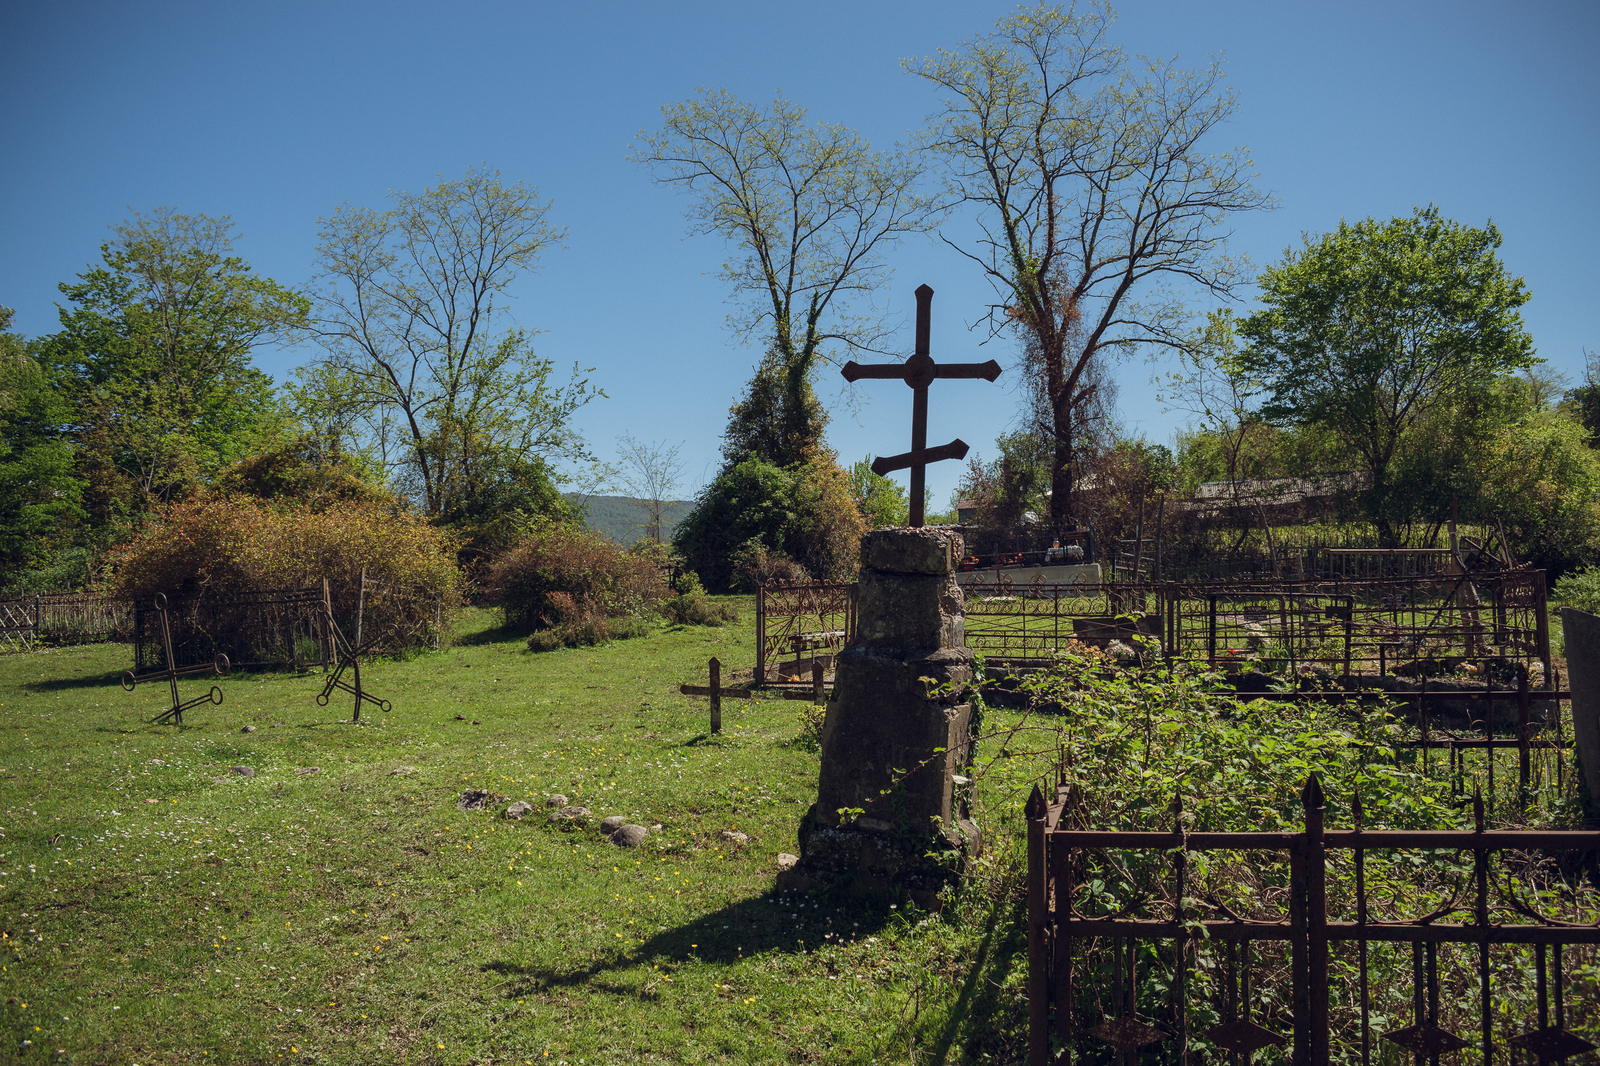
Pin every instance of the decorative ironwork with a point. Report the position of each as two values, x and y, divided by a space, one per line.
19 623
918 373
219 666
260 628
347 656
812 622
1182 918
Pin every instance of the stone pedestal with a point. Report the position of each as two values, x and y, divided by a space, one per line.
895 737
1582 633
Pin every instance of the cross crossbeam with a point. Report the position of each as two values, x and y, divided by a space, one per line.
918 373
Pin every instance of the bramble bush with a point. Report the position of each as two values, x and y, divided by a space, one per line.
221 545
572 587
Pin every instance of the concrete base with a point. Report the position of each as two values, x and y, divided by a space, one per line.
865 863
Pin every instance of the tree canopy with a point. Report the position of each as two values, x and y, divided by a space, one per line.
1377 329
155 350
811 209
1096 192
421 364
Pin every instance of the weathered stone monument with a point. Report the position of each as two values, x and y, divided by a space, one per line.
891 817
1582 632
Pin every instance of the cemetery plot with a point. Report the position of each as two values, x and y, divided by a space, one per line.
269 628
171 671
1172 939
62 618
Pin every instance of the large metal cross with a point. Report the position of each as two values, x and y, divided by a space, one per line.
919 372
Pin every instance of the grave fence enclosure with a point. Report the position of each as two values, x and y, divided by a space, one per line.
798 625
1370 944
391 618
63 618
1415 626
272 628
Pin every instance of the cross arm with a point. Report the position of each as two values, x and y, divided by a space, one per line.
956 449
854 371
987 371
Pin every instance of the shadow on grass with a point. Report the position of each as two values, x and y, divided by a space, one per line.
109 677
982 994
501 634
738 931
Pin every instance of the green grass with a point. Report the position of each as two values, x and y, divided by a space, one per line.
157 907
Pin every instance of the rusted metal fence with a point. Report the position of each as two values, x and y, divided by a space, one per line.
1413 626
62 618
1154 940
274 627
1372 627
1019 621
798 625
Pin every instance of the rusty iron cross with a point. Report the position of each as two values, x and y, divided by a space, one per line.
173 671
918 372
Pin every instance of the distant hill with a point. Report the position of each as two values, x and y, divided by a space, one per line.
622 518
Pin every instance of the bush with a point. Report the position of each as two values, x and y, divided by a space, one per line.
804 512
692 607
1580 590
572 587
222 545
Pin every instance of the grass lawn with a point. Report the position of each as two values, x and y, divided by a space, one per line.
158 907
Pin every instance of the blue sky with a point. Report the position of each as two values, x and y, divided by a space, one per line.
276 114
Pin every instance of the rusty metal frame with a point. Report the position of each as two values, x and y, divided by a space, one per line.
1057 856
815 617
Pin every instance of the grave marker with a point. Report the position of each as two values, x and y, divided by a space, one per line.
716 692
171 672
918 373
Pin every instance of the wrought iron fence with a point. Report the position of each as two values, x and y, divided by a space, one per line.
273 627
1154 940
810 622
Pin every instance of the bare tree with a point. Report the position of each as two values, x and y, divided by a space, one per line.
811 208
1092 192
651 473
412 319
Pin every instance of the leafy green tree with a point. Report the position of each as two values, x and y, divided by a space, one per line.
420 365
1380 329
881 501
39 496
1583 402
156 347
1095 189
812 210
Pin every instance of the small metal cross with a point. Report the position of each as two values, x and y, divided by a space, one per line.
348 656
918 372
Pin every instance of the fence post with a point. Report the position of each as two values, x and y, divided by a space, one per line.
1211 631
1038 985
1316 923
761 636
716 694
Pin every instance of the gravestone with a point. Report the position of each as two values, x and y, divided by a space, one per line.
1582 633
890 820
